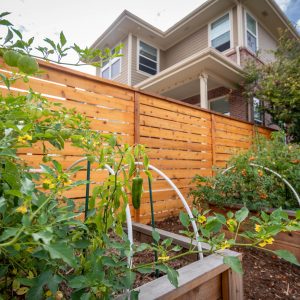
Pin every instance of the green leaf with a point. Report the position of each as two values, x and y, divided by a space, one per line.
142 247
61 251
45 236
134 295
234 263
298 214
155 236
184 219
242 214
145 270
9 36
5 23
36 292
288 256
172 276
213 226
79 282
167 242
177 248
7 233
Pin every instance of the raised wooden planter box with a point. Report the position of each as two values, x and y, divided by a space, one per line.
285 240
208 279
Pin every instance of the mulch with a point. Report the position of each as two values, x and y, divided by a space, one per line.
265 277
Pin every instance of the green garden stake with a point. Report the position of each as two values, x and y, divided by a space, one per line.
87 189
152 221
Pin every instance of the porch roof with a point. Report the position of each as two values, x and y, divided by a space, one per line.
208 61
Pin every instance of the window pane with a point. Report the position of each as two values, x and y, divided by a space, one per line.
251 24
257 113
148 51
251 41
115 68
220 33
147 62
222 42
146 69
105 73
220 26
221 106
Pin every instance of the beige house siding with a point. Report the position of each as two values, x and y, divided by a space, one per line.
265 43
187 47
123 77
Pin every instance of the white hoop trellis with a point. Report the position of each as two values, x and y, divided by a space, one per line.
128 214
271 171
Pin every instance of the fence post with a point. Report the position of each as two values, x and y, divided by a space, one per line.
136 136
213 142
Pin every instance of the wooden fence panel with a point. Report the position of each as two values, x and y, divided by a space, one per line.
182 140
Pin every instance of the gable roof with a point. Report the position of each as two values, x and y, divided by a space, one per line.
267 12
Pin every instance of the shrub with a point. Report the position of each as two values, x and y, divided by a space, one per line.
252 186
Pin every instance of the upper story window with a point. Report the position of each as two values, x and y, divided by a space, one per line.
147 58
111 68
251 32
257 111
220 33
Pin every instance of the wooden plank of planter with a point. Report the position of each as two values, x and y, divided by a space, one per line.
191 277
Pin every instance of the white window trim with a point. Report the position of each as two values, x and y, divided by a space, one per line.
216 99
231 29
138 57
110 63
246 29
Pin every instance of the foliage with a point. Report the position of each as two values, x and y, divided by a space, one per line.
47 250
277 84
254 186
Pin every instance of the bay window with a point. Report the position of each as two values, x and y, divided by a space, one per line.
111 68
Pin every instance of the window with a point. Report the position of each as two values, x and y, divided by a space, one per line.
220 33
257 111
111 68
220 105
251 32
148 58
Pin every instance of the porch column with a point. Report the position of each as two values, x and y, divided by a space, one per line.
203 91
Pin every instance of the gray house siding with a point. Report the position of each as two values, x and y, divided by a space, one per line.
187 47
266 44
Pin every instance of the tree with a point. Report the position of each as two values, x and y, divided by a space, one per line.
277 84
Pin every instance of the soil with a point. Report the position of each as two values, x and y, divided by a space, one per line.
265 276
148 256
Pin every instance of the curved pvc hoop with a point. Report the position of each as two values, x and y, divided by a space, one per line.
275 173
186 206
127 210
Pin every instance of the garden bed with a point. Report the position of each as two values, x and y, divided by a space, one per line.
209 278
284 240
265 276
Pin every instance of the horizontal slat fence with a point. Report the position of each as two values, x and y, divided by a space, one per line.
182 140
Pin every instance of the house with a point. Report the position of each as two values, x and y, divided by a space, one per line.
200 59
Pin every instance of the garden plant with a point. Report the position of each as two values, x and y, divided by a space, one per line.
255 187
47 249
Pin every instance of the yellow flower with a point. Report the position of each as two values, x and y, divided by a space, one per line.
68 182
24 138
22 209
258 228
262 244
231 222
48 293
47 181
164 258
51 186
266 241
225 245
201 219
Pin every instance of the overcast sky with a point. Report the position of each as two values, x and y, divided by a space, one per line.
84 20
